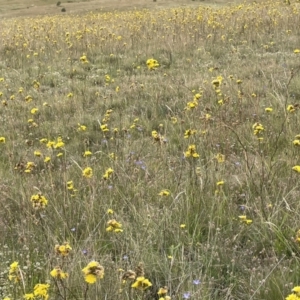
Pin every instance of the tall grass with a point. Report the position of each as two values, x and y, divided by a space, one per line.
193 158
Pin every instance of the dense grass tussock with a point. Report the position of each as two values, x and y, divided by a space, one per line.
151 154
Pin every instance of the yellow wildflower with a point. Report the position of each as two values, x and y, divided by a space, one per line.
29 296
63 249
87 153
220 158
34 110
152 64
38 201
14 272
87 172
58 273
93 271
114 226
162 291
164 193
141 283
290 108
296 169
41 290
191 152
258 128
108 173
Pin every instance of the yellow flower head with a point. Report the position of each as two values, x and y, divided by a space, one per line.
114 226
108 173
34 110
243 219
2 139
290 108
81 127
292 297
296 290
63 249
58 273
14 272
29 296
84 59
258 128
93 271
141 283
220 158
189 132
164 193
152 64
296 169
87 153
162 291
38 201
87 172
191 152
41 290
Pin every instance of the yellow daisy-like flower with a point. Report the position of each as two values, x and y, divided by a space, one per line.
41 290
268 109
29 296
189 132
87 172
152 64
84 59
2 139
47 159
114 226
108 173
81 127
14 272
244 220
296 290
290 108
296 142
162 291
220 158
141 283
93 271
296 169
258 128
37 153
63 249
58 273
191 152
34 110
87 153
38 201
164 193
292 297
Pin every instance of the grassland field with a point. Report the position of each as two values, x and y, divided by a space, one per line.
149 150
